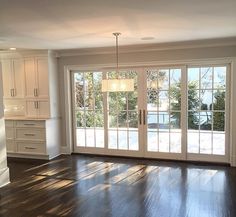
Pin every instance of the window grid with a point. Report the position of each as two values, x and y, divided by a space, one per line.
91 110
210 110
154 75
127 111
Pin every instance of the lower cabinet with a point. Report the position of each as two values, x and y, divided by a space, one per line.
33 138
37 109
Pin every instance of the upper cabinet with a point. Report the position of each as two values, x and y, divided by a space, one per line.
30 86
13 78
36 73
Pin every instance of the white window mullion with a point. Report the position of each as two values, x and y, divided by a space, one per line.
184 110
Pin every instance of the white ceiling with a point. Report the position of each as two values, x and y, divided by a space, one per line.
62 24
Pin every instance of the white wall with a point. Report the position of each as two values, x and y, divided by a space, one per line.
143 57
4 171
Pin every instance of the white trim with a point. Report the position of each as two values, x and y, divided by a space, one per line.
4 177
65 150
149 47
232 105
68 110
68 115
168 63
30 156
233 161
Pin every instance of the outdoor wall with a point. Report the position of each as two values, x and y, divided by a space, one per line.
142 57
4 171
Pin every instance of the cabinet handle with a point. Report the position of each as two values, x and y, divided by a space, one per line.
140 116
11 92
29 124
14 92
30 148
144 117
36 91
29 134
36 104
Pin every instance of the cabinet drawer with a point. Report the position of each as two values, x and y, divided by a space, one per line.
9 133
31 148
30 134
9 123
40 124
10 144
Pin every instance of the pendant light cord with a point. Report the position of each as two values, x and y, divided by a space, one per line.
116 34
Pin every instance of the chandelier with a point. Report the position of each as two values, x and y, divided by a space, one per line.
118 84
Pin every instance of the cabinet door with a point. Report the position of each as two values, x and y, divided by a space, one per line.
14 107
18 70
30 78
7 77
43 109
31 109
42 77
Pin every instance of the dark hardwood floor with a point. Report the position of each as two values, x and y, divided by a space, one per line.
89 186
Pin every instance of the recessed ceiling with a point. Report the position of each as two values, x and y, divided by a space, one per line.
62 24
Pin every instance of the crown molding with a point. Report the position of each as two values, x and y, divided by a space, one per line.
149 47
27 53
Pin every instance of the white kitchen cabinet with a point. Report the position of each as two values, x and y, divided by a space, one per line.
42 89
13 78
14 107
33 138
30 77
37 108
31 104
36 73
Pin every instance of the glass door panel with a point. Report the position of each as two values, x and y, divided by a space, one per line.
105 123
163 105
88 111
123 126
206 111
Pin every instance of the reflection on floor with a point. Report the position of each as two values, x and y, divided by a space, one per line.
80 185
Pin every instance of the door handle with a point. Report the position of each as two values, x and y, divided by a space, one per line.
140 116
144 117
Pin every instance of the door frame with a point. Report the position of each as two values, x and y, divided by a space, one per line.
67 148
169 155
106 150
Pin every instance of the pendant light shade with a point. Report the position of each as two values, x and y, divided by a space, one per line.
118 84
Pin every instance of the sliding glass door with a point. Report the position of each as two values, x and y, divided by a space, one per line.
163 109
88 110
106 123
173 113
207 116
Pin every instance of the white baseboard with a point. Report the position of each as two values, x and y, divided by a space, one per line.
4 177
30 156
233 161
65 150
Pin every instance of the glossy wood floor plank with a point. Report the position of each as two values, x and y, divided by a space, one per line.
89 186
